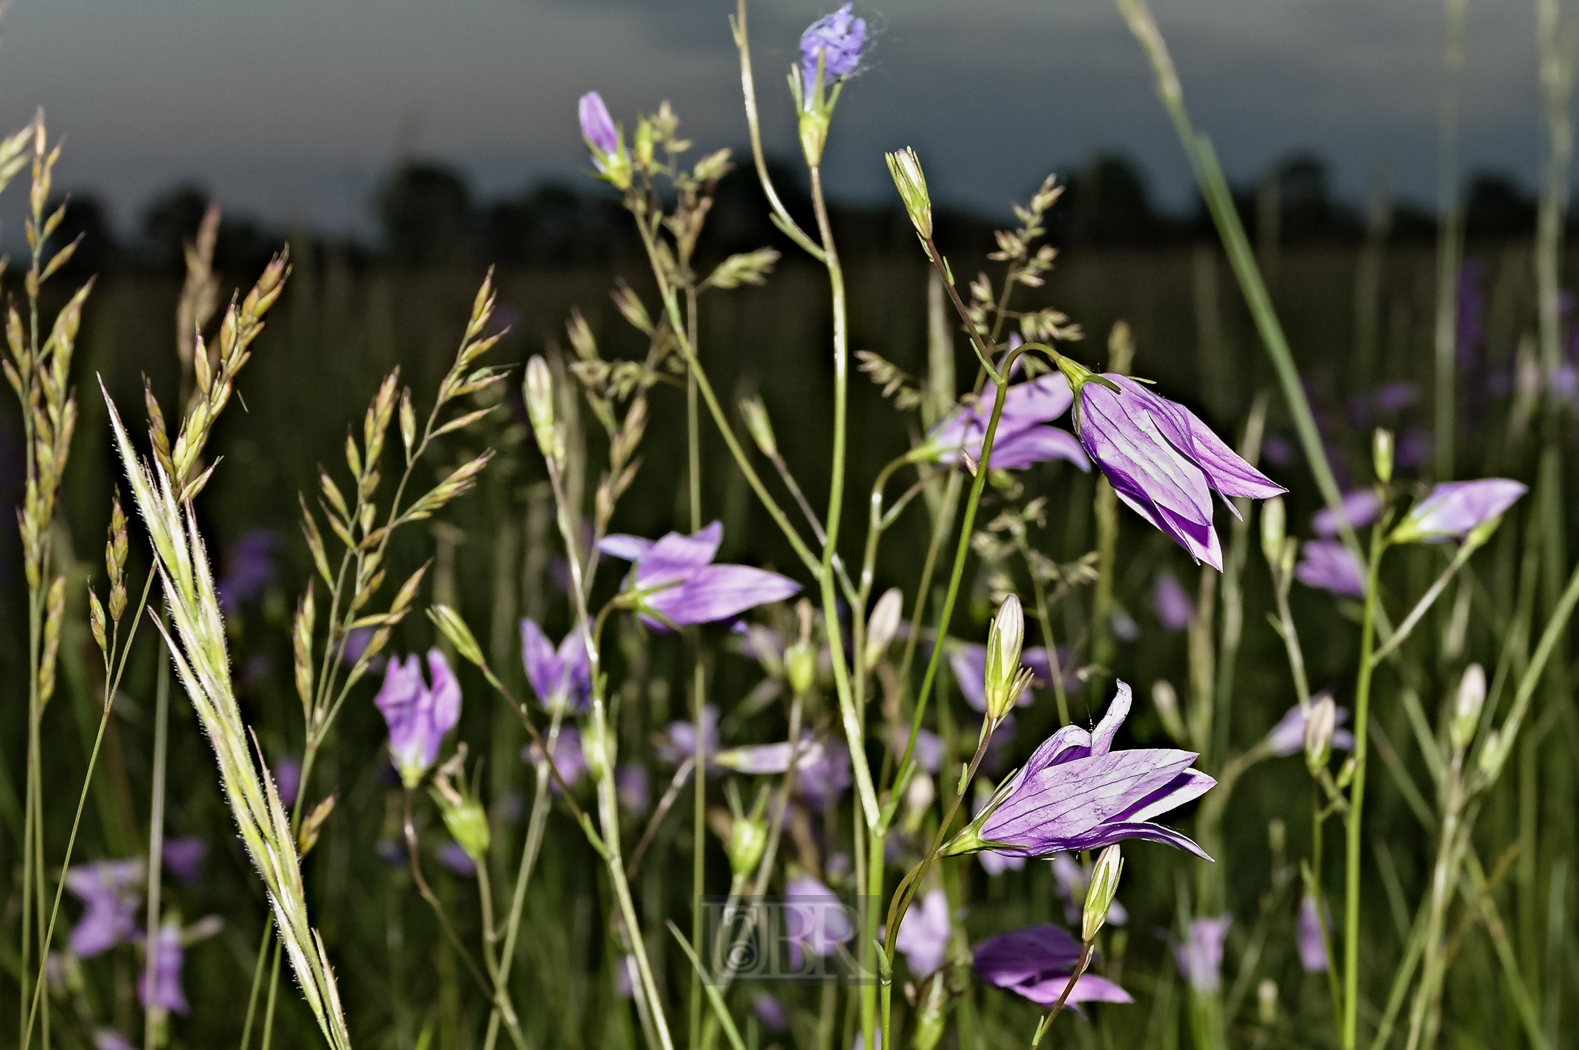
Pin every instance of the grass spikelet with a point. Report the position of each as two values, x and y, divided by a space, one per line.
202 665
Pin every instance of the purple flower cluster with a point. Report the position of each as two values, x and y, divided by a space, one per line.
1164 462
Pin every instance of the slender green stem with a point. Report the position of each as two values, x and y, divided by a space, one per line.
1044 617
1362 717
156 834
1450 237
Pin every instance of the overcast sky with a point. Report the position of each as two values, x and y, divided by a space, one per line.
292 109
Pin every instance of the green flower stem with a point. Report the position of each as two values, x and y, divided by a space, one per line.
1424 604
1044 617
1063 997
1362 718
151 1017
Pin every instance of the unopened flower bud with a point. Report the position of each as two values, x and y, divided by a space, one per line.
1100 892
1002 681
1320 726
1276 835
883 625
933 998
1166 699
919 796
1492 756
800 661
1266 996
1273 529
905 167
755 413
1382 454
747 840
468 825
96 620
1466 709
1346 772
596 749
644 144
539 391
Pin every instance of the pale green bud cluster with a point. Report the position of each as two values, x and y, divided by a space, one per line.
1467 706
1003 679
1100 892
1320 726
905 167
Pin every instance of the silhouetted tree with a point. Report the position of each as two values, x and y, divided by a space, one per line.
1497 207
1108 203
426 213
169 222
86 218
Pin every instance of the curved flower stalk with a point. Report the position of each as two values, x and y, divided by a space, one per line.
1076 793
202 665
1164 463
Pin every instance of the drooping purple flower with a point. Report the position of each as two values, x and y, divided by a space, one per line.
924 933
249 569
770 1012
568 758
1454 508
454 857
838 38
768 759
559 676
633 788
1164 462
1312 952
288 778
822 782
678 584
1288 736
1073 879
108 890
1329 566
1076 793
419 716
160 987
1035 962
1200 956
678 742
598 127
814 919
1359 508
184 857
1023 438
1172 603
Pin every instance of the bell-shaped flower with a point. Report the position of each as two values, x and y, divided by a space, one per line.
676 583
1162 460
1312 949
678 741
160 987
1023 436
604 141
1288 736
1455 508
568 758
837 40
924 933
770 759
1036 962
1076 793
1359 508
184 857
419 715
1172 603
108 890
1200 955
560 677
1329 566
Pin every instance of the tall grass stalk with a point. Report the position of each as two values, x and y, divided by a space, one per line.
1450 238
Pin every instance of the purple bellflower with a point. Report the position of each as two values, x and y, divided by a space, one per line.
249 569
1455 508
1172 603
1329 566
454 857
815 920
1200 956
1022 438
160 987
108 889
838 38
1358 508
1288 736
770 1012
288 778
766 759
1073 880
1312 952
633 788
676 584
568 758
560 677
929 747
1036 963
419 716
1163 461
1076 793
603 140
924 933
184 857
679 738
